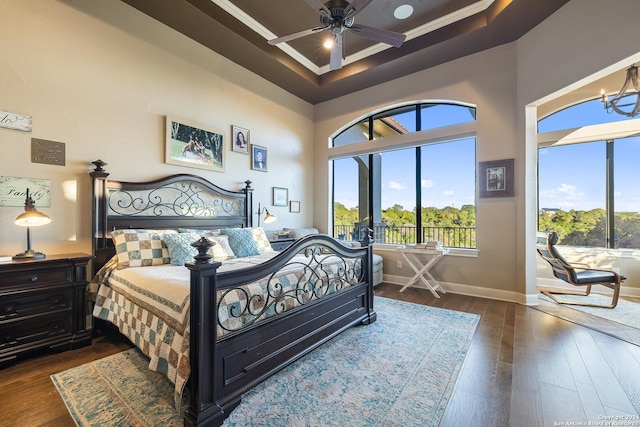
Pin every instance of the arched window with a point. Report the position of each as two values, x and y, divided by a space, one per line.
408 193
587 177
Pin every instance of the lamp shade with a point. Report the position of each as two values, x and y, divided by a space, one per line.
269 218
32 218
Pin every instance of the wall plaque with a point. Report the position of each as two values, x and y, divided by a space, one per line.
13 191
48 152
16 121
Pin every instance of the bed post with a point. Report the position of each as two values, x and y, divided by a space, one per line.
99 215
203 409
248 206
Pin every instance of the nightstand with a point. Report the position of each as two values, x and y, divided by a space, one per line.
281 244
43 305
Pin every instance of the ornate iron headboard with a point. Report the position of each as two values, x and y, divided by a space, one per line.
177 201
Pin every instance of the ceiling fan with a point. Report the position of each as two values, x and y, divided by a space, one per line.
338 16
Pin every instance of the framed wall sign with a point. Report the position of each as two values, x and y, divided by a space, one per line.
192 145
13 191
496 178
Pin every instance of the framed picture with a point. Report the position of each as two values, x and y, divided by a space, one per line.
496 178
280 196
259 158
240 139
294 206
191 145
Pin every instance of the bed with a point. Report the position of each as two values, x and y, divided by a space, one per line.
230 322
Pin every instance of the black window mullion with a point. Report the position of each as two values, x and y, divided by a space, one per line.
611 213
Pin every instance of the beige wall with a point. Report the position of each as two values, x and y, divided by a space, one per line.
100 77
580 40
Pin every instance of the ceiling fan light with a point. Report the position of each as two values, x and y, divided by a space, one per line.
403 11
328 43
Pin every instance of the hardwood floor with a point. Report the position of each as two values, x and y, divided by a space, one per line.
524 368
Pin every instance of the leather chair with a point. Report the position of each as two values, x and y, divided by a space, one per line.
576 274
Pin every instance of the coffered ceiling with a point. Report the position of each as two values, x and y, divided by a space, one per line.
437 31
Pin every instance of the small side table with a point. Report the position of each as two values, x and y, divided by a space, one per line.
281 244
422 274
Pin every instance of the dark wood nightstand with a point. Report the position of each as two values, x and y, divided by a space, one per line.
43 305
281 244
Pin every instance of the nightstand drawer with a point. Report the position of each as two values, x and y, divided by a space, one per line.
39 329
37 276
23 304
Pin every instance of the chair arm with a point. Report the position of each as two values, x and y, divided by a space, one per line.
618 279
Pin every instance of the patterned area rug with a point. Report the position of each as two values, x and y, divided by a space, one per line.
397 371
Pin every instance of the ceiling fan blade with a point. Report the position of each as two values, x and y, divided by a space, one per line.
335 62
355 7
319 7
294 36
383 36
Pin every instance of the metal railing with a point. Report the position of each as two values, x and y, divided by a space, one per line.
452 237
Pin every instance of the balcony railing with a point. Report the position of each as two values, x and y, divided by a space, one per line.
452 237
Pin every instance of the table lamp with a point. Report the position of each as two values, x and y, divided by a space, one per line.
268 218
30 218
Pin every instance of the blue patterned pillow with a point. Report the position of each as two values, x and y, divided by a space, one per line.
179 247
241 241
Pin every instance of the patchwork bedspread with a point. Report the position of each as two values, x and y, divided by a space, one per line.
150 305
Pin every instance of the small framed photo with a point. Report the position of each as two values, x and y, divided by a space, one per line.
239 139
496 178
280 196
294 206
192 145
258 158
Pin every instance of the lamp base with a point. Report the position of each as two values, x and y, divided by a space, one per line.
29 254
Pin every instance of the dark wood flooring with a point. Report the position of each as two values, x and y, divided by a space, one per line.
524 368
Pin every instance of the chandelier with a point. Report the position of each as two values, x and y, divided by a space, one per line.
624 99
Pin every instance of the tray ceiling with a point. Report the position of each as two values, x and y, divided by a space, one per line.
438 31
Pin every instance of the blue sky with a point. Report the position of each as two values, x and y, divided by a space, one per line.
571 177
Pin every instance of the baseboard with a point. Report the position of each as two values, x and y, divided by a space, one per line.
474 291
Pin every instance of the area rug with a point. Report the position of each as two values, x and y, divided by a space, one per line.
397 371
623 321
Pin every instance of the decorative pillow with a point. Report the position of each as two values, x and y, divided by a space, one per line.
141 248
241 241
261 239
180 249
297 233
221 251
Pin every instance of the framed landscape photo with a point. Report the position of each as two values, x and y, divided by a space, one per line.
294 206
258 158
280 196
496 178
192 145
239 139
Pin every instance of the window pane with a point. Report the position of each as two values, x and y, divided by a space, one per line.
587 113
400 120
398 204
439 115
350 187
356 133
448 185
627 193
572 193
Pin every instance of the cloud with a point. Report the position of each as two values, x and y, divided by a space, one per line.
564 196
393 185
448 193
427 183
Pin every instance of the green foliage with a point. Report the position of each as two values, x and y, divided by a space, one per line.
589 228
